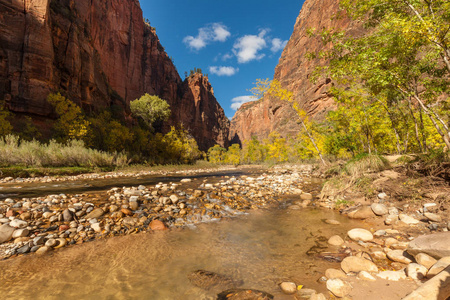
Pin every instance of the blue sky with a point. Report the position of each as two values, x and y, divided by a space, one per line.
233 41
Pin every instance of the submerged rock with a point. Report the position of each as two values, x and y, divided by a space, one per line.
208 280
244 294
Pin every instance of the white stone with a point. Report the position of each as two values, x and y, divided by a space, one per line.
96 227
335 240
425 260
338 287
20 233
363 275
359 234
408 219
392 275
379 209
416 271
398 256
288 288
16 223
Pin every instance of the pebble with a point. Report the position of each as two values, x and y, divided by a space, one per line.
357 264
335 240
338 287
288 288
335 273
433 217
379 209
408 219
96 227
359 234
391 219
20 233
332 222
363 275
16 223
43 250
425 260
399 256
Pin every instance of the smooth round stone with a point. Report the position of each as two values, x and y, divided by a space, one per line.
47 214
20 233
16 223
288 288
157 225
185 180
425 260
4 220
380 233
24 249
338 287
174 199
95 214
393 211
6 233
335 240
43 250
390 241
382 196
51 243
379 209
416 271
362 213
357 264
399 256
359 234
408 219
318 297
332 222
392 275
306 196
433 217
134 205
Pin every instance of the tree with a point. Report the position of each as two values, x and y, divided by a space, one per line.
404 58
150 109
233 155
71 123
272 88
216 154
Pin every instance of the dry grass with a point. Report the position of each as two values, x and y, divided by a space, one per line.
14 152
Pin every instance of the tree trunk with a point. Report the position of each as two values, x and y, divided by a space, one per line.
313 141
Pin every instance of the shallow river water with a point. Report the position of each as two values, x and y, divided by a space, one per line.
261 249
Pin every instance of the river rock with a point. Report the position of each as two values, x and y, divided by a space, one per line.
357 264
6 233
24 249
335 273
95 214
392 275
51 243
38 241
134 205
433 217
391 219
379 209
244 294
363 275
399 256
361 213
16 223
425 260
338 287
408 219
306 196
126 212
335 240
416 271
97 227
61 243
129 221
359 234
43 250
440 265
157 225
332 222
208 280
174 199
186 180
20 233
288 288
67 215
436 245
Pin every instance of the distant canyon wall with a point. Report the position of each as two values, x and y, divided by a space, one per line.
294 71
101 54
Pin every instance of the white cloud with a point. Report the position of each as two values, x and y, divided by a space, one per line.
216 32
223 71
238 101
277 45
227 56
247 47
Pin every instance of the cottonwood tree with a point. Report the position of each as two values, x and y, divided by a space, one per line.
150 109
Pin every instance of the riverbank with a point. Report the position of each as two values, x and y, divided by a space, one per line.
45 224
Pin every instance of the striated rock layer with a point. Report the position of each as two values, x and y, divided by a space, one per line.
101 54
294 71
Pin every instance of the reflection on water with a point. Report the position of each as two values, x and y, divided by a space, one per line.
261 249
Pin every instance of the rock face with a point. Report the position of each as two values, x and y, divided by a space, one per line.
293 72
100 54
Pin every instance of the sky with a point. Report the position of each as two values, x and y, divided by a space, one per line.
235 42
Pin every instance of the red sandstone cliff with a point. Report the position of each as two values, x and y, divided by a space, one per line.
293 72
100 53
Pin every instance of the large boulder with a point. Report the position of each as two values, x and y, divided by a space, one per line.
6 233
436 245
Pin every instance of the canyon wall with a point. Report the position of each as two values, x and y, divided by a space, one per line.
100 54
294 71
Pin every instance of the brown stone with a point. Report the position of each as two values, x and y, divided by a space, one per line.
362 213
157 225
126 212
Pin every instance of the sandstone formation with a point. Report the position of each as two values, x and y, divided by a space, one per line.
101 54
294 72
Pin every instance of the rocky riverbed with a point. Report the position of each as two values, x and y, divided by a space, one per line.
388 257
